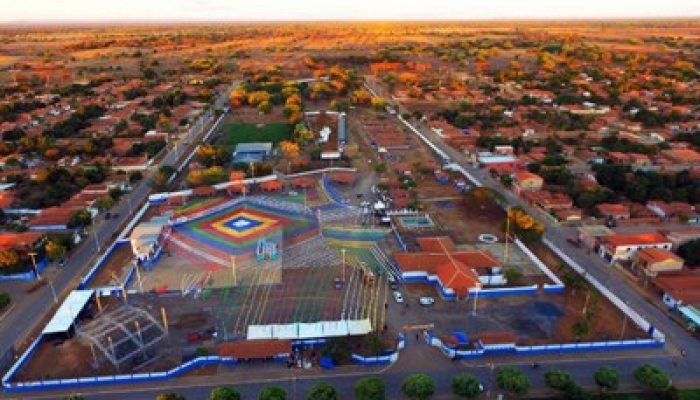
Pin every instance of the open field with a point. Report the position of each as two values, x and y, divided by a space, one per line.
235 133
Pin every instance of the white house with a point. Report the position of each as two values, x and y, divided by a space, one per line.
621 247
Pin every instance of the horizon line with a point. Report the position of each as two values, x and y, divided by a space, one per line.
349 20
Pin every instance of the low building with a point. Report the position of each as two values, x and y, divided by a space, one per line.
683 236
455 272
549 201
682 156
52 218
622 247
251 152
498 162
591 235
613 211
653 261
147 239
679 289
670 210
526 181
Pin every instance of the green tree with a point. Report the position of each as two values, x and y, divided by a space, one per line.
135 177
160 180
323 391
105 203
370 389
652 377
607 378
5 300
54 250
418 386
272 393
559 380
224 393
581 328
512 380
466 386
338 349
170 396
690 252
79 218
9 258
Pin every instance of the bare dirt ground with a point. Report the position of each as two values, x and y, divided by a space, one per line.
115 267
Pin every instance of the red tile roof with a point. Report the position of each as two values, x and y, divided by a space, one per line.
19 240
682 287
621 239
655 255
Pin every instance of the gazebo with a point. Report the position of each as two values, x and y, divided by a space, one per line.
271 186
344 178
303 182
237 188
236 176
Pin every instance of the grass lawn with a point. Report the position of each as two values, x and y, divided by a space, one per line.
235 133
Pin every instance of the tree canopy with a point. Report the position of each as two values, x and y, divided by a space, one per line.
418 386
466 386
370 389
513 380
323 391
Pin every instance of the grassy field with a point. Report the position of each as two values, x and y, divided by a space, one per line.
235 133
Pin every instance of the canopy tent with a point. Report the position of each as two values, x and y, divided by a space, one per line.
66 314
310 330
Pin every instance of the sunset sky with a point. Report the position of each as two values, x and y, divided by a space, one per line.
257 10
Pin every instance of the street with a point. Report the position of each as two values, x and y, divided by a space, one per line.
19 325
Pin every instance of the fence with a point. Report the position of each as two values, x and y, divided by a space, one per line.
558 286
631 313
385 359
26 276
120 241
399 238
108 379
495 349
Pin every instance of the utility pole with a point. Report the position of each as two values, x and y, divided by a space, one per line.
233 270
505 255
343 273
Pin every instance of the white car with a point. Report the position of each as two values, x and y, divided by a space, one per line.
426 301
397 296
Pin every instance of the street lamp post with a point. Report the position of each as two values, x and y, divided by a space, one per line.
33 254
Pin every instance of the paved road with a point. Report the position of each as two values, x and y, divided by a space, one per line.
677 337
30 309
684 370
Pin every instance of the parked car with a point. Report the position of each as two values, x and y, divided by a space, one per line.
393 284
576 242
398 296
426 301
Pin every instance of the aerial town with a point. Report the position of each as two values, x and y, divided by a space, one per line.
365 210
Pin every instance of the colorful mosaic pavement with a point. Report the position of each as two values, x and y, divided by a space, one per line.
236 230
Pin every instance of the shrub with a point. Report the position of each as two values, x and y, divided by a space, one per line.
224 393
466 386
323 391
272 393
512 380
418 386
370 389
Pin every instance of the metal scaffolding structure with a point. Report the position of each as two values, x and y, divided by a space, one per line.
123 334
